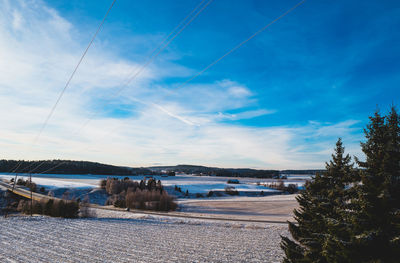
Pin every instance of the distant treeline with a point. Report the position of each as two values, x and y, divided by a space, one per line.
68 167
230 172
314 172
213 171
83 167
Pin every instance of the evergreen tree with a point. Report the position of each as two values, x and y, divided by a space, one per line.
321 229
308 233
349 216
376 234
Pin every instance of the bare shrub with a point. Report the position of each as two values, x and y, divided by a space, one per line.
146 195
23 207
233 181
231 191
150 200
291 188
20 181
103 183
47 206
167 203
65 195
84 209
67 209
116 200
37 208
27 183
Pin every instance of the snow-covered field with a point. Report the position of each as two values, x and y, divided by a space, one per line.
194 184
58 181
113 238
271 207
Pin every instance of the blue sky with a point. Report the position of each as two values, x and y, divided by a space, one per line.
280 101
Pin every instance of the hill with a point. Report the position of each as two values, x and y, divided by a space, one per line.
214 171
85 167
68 167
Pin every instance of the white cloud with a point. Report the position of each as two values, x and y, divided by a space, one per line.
173 114
234 89
239 92
38 51
245 114
17 20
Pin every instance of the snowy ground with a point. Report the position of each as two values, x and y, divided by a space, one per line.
126 237
273 207
268 208
58 181
115 236
194 184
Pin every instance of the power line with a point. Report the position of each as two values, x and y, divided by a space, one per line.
66 85
170 33
161 47
235 48
220 58
73 74
34 169
165 46
195 12
28 166
242 43
16 175
16 166
52 168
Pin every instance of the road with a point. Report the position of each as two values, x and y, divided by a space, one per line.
25 193
268 218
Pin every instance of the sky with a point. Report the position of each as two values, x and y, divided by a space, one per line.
280 101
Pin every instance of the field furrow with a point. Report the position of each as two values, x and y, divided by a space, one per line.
44 239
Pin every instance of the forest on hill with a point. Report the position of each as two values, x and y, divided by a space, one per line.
214 171
85 167
67 167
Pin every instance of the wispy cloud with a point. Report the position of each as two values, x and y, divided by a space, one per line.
245 114
39 48
172 114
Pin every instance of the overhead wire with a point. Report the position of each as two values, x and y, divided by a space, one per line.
229 51
167 37
242 43
16 166
161 47
193 14
232 49
73 74
148 62
52 168
65 87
